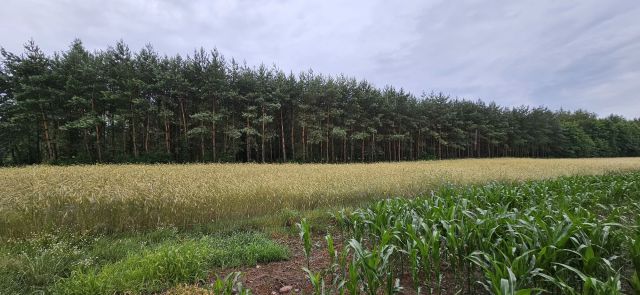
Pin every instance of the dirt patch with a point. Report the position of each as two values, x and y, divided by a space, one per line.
271 277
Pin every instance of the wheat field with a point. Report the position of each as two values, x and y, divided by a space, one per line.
112 198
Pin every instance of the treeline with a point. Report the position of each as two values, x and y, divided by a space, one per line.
117 105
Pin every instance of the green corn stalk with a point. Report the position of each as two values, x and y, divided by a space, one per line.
373 265
352 282
502 274
590 285
435 256
316 281
331 249
343 264
635 282
423 244
635 258
305 234
414 264
230 285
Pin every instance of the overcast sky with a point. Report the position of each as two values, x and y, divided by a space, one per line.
569 54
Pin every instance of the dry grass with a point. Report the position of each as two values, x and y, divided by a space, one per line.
123 197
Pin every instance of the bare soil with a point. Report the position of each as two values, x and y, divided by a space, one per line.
269 278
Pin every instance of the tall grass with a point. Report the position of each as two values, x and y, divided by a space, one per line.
114 198
132 264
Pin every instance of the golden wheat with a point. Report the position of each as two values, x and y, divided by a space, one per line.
125 197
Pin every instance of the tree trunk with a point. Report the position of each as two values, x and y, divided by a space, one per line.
393 148
476 145
201 142
411 154
352 150
333 151
47 138
225 138
167 136
344 149
262 141
184 119
373 147
98 147
112 139
85 140
304 146
54 143
418 146
247 140
146 135
327 150
293 143
270 149
124 139
133 130
213 130
284 148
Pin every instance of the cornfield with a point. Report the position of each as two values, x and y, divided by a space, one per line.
573 235
113 198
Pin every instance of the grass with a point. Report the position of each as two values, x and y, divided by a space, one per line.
33 264
572 235
140 263
121 198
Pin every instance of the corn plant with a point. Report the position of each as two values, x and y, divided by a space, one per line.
589 285
553 236
331 250
305 234
316 280
374 268
635 258
230 285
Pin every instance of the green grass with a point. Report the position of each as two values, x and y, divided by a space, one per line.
36 263
281 222
138 263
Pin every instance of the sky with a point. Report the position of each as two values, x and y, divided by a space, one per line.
571 54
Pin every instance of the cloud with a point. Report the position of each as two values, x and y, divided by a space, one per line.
570 54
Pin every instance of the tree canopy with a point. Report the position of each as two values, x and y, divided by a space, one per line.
116 105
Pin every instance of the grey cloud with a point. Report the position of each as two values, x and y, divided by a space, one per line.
571 54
